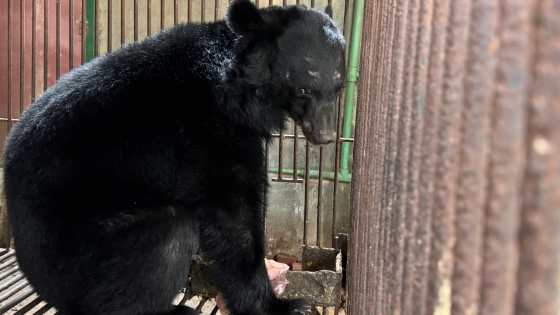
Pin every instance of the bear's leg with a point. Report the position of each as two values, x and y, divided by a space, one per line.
232 246
143 259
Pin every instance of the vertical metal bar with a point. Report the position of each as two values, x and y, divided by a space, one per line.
440 267
10 70
135 20
162 14
539 267
295 162
84 31
90 24
280 149
46 43
216 9
507 159
202 10
320 198
306 194
362 293
57 39
176 12
71 35
33 48
313 3
472 182
351 78
149 17
265 195
123 22
21 57
95 39
110 26
189 13
336 169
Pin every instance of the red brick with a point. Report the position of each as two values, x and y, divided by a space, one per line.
285 259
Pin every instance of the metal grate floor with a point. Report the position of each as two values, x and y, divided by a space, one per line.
17 297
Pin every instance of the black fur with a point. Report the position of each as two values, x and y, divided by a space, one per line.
129 165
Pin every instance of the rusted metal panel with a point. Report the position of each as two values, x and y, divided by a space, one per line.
507 156
39 84
76 31
51 49
539 265
442 238
472 181
27 55
5 80
456 186
364 276
42 41
63 42
15 58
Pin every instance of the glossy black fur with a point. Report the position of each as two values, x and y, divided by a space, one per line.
131 164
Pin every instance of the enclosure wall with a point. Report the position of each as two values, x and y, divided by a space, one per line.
456 181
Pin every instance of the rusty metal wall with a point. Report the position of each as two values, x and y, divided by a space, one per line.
456 182
40 41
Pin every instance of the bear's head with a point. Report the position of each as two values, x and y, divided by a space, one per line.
295 56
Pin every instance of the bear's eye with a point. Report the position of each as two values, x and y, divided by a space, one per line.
302 91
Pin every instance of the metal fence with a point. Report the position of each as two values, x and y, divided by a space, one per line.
41 40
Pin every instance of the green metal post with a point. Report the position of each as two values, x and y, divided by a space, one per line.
90 36
351 78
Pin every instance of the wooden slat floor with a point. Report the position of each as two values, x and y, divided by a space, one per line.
17 297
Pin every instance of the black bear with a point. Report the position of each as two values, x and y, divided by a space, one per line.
133 163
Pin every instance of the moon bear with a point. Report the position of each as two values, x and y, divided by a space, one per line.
139 160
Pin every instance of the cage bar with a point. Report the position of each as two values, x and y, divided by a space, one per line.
110 26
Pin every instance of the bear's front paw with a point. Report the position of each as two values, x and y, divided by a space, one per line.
292 307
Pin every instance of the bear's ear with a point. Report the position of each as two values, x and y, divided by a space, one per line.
328 10
244 19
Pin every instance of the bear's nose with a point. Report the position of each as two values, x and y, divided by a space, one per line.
325 138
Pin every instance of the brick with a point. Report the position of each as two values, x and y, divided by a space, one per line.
285 259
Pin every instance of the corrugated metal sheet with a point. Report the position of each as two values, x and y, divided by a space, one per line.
456 201
41 40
